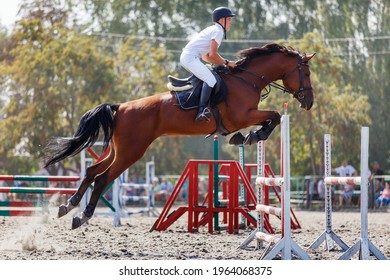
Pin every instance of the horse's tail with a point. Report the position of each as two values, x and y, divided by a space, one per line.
86 135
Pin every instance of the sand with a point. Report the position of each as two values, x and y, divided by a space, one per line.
35 238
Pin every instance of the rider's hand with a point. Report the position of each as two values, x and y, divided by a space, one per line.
232 64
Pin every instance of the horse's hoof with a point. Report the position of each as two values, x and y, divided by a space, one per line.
237 139
76 222
262 135
62 211
251 138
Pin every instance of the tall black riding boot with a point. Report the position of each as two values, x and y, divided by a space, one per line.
204 113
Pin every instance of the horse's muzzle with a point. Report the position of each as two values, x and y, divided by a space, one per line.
307 101
307 105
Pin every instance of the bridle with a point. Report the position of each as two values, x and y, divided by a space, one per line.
296 94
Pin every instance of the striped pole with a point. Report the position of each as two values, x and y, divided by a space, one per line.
31 178
23 203
18 213
39 178
260 191
343 180
37 190
276 211
267 237
259 199
269 181
242 194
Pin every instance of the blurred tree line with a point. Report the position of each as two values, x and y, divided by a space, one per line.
64 57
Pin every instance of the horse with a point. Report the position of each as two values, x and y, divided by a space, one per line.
129 128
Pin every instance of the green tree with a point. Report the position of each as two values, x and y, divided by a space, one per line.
349 73
53 76
141 69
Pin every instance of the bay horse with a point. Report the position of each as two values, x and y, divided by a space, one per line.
129 128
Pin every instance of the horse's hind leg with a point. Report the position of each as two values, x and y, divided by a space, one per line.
122 161
90 174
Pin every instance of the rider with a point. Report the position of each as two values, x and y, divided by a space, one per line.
205 45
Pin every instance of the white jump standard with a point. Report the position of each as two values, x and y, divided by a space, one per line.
328 236
260 200
284 245
364 246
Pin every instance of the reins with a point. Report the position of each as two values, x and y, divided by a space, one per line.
298 94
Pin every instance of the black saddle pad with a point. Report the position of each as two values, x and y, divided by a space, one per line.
189 99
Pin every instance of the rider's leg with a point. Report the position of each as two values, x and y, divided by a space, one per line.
204 112
196 67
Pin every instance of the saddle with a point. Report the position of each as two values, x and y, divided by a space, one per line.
187 91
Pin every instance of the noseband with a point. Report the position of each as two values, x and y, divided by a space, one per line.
296 94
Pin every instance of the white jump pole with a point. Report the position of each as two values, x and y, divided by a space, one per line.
328 236
84 199
150 174
364 246
115 202
260 191
241 194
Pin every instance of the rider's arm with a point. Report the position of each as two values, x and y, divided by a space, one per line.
215 58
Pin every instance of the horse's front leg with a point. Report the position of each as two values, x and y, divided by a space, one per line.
268 121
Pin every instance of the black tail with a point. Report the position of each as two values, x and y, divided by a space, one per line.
86 135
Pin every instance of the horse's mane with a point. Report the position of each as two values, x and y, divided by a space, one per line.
250 53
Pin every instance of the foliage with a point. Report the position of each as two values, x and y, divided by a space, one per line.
51 72
52 76
141 68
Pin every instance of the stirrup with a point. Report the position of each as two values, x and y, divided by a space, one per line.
204 115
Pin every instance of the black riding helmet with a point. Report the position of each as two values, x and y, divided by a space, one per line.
222 12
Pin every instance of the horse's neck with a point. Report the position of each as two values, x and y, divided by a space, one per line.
271 67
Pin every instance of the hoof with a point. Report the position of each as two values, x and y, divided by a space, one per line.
251 138
62 211
76 222
237 139
262 135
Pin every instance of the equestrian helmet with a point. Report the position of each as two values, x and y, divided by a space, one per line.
222 12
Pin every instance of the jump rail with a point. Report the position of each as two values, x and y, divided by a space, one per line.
19 206
39 178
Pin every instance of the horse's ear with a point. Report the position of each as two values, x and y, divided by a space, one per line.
306 58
